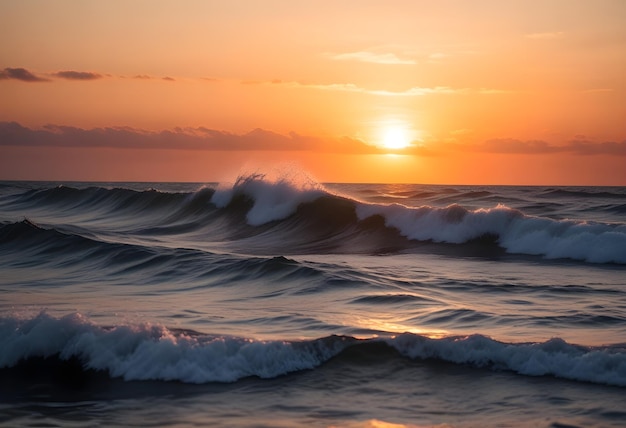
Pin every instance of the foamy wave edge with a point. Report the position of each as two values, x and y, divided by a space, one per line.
276 198
514 231
154 352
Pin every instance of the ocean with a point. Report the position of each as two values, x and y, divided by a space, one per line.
278 301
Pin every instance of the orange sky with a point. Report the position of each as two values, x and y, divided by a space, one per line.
479 92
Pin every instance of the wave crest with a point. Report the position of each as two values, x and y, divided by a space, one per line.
516 232
154 352
275 195
289 212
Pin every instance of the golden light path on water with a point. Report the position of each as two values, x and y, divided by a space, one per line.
379 323
376 423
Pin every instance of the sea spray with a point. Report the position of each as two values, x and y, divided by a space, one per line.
276 195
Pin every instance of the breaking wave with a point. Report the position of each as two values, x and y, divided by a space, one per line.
154 352
295 214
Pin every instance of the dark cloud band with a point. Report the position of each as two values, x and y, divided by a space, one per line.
21 74
77 75
14 134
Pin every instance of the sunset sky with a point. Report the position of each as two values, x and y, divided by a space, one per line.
459 92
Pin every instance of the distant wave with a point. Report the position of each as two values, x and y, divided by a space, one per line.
154 352
99 201
555 193
295 215
27 240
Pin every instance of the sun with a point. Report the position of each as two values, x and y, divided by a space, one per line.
395 138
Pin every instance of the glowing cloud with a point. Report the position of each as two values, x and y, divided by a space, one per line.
546 35
372 57
416 91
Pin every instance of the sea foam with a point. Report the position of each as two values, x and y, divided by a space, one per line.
516 232
276 195
154 352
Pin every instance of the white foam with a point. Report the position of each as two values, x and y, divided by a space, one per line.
516 232
276 194
554 357
152 352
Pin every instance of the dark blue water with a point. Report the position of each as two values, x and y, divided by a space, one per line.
279 301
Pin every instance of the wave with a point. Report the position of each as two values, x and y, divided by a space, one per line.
578 193
98 201
27 241
511 229
275 197
293 214
615 208
311 206
154 352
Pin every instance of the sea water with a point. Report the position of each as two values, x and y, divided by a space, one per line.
279 301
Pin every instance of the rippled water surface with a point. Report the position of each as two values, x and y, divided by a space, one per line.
282 301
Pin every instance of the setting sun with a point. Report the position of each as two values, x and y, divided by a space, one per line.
395 138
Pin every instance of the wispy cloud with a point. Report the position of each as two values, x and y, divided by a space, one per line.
77 75
437 56
415 91
546 35
149 77
21 74
372 57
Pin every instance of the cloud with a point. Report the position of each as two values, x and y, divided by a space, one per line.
149 77
21 74
510 145
201 138
546 35
27 76
538 147
437 56
583 147
372 57
77 75
416 91
14 134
